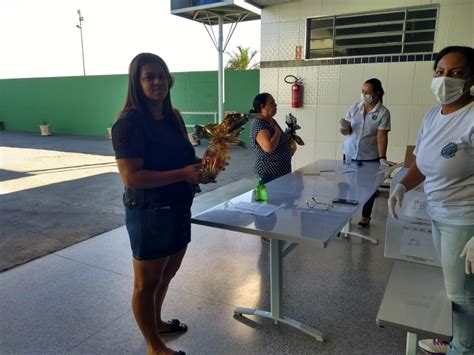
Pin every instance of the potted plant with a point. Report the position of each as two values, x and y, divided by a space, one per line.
45 129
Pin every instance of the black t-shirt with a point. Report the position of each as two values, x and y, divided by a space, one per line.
163 146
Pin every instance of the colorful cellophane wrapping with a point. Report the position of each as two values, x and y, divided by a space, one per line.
221 135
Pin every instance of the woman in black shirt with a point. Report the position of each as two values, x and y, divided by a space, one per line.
159 170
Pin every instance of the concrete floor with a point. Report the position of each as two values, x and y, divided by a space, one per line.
77 300
59 190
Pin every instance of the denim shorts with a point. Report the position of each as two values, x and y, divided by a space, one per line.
158 232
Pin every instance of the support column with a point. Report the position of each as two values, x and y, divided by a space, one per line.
220 73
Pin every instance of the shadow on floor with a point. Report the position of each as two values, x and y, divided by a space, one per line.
40 220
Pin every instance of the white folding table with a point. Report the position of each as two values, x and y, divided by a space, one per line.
300 220
415 300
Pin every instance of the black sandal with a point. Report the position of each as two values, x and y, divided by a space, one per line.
176 327
364 224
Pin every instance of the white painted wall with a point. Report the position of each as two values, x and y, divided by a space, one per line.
330 90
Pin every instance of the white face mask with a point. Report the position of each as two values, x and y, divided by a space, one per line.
367 98
447 90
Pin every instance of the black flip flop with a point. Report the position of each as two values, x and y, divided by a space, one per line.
176 327
364 224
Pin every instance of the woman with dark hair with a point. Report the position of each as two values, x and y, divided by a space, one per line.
159 168
445 164
269 143
367 124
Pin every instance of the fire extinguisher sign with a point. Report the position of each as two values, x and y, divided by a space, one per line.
298 51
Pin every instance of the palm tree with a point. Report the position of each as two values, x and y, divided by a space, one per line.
240 59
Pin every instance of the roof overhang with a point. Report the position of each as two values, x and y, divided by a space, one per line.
231 10
265 3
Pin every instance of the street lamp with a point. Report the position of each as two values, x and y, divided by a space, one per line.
82 41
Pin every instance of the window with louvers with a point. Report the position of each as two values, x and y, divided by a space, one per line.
399 31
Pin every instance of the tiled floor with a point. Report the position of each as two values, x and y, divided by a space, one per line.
77 300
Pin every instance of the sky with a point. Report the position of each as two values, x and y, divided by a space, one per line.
39 38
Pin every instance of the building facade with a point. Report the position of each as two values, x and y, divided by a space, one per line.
332 84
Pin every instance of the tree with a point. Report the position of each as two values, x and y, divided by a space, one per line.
241 59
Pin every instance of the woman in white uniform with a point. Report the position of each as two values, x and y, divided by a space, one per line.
445 163
367 124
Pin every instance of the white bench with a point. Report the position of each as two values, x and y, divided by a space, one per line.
415 300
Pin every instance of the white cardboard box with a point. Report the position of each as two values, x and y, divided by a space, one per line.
415 206
410 242
409 237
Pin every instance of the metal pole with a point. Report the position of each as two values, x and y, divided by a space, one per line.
83 62
82 41
220 73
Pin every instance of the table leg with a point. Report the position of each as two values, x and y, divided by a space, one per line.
411 344
346 231
276 246
276 257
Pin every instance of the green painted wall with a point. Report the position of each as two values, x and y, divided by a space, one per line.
87 105
72 105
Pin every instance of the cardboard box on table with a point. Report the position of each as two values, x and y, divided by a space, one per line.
409 238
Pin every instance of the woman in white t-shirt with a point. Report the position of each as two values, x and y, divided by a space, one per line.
366 126
445 163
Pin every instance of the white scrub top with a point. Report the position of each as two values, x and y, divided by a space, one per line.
362 143
445 155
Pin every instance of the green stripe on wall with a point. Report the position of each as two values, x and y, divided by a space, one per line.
88 105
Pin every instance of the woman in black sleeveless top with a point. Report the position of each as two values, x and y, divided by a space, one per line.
159 169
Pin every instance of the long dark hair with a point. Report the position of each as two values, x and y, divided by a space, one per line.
259 101
377 86
466 52
136 99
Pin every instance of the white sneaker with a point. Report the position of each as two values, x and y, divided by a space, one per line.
433 346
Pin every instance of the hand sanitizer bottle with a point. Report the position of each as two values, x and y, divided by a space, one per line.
261 191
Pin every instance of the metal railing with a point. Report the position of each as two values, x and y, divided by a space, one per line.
200 113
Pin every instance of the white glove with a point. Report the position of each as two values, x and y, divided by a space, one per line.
384 163
396 198
468 254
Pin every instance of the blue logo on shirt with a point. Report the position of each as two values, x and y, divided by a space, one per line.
449 150
374 117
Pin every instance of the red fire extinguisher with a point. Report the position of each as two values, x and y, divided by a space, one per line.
296 90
